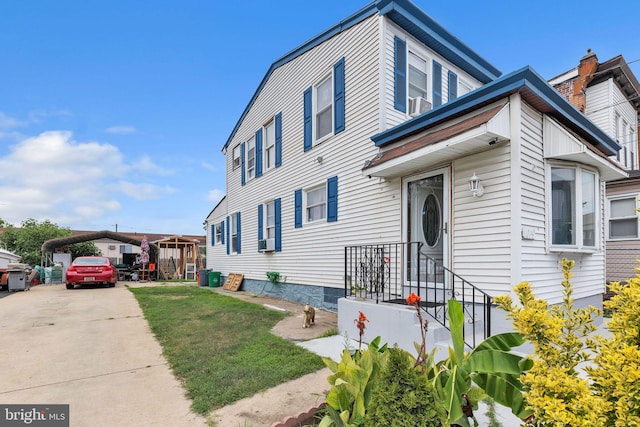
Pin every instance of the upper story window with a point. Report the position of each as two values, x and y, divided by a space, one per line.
251 158
623 218
574 207
269 145
218 233
236 157
324 108
418 81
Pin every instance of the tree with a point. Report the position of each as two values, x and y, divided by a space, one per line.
84 249
27 240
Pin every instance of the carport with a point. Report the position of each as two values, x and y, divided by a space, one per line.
49 247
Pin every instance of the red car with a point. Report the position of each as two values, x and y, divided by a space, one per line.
92 270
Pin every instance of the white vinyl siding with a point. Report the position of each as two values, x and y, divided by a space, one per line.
605 102
481 234
367 208
539 266
219 250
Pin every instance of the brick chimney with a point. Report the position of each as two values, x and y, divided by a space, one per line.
586 69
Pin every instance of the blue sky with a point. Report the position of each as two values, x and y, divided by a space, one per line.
115 112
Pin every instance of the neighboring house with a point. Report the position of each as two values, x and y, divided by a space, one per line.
609 94
372 133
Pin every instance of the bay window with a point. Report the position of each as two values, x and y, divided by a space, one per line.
574 207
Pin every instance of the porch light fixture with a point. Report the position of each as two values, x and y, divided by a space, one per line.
476 188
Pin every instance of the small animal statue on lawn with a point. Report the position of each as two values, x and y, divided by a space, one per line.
309 316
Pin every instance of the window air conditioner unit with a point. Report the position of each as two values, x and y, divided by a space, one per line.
267 245
418 106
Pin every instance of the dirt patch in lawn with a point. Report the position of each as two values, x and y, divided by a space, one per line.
290 398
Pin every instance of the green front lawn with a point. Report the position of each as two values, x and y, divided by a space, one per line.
220 347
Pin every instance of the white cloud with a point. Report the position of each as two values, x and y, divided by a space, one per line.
7 122
208 166
144 191
145 164
215 195
121 130
51 176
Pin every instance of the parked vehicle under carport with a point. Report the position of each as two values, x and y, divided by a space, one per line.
91 270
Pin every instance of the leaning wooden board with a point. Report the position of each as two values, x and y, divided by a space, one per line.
233 282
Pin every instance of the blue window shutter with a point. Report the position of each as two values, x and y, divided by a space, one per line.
228 239
258 153
338 95
222 232
238 225
332 199
453 86
242 163
298 208
437 84
277 205
260 219
278 140
308 128
400 75
213 234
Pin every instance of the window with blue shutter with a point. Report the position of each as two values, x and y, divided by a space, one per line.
258 153
238 230
298 208
308 124
338 95
437 84
222 232
228 239
213 234
278 139
332 199
453 86
244 178
278 243
260 219
400 74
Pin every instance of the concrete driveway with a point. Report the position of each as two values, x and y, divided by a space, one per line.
91 349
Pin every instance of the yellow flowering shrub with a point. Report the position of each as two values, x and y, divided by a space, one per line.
554 391
616 370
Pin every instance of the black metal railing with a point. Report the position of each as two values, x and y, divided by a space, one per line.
390 272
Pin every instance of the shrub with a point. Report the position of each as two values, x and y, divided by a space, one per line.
403 397
616 370
556 392
352 383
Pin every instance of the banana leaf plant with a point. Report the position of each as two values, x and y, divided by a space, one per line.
352 382
490 367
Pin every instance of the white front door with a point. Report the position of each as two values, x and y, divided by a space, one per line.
427 221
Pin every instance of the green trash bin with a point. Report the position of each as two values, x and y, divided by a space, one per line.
214 279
